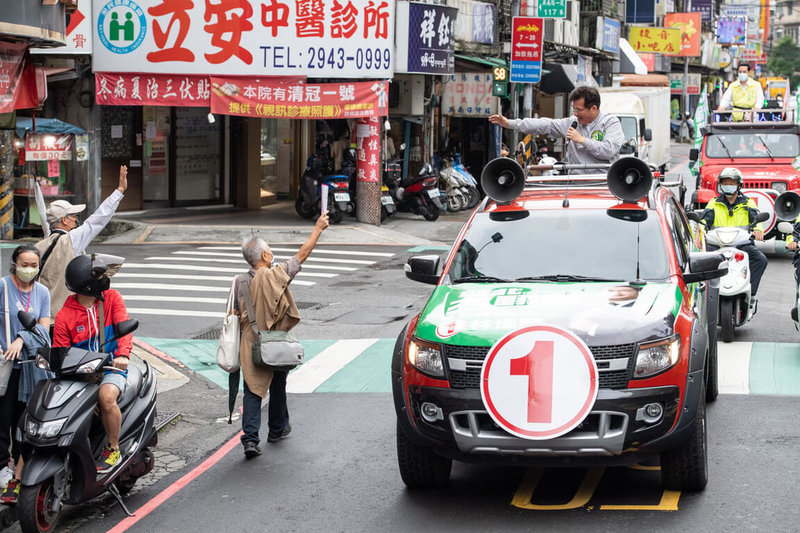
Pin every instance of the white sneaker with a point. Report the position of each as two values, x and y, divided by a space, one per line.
5 475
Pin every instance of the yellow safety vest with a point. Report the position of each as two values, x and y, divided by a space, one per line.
743 97
737 215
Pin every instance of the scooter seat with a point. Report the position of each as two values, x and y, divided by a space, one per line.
133 383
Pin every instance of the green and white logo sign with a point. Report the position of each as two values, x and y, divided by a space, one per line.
121 26
598 135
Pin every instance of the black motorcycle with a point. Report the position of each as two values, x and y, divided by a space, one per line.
309 201
416 194
65 435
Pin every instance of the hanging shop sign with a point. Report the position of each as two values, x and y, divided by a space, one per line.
556 9
704 7
608 33
17 78
368 142
676 83
152 89
78 33
294 98
469 95
526 49
732 30
753 52
689 26
49 146
475 21
425 38
655 40
318 38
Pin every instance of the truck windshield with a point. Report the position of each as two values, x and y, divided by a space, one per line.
749 144
628 128
564 243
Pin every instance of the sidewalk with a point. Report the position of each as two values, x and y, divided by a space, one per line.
274 223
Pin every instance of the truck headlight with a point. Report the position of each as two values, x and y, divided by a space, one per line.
46 430
426 357
779 186
655 357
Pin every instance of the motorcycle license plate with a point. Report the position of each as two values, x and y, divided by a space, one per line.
433 193
341 196
387 200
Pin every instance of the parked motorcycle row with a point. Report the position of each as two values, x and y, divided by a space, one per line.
428 193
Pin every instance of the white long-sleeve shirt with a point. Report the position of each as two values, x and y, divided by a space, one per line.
94 224
604 138
727 97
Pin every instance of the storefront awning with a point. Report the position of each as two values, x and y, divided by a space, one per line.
469 63
45 125
629 60
563 79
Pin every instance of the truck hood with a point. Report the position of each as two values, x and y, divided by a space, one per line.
478 314
761 170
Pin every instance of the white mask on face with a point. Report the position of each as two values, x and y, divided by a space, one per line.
743 77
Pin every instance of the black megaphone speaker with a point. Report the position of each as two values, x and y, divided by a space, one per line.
787 206
629 179
502 179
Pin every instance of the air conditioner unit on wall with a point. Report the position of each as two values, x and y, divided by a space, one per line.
407 95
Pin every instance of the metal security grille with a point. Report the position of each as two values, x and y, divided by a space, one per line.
470 378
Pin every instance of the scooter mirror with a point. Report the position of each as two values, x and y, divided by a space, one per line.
784 227
27 320
126 327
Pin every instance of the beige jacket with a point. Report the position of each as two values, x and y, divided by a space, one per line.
275 308
53 274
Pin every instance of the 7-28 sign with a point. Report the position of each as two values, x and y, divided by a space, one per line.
539 382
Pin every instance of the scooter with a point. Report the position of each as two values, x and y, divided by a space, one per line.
735 309
417 194
455 196
468 181
309 203
65 435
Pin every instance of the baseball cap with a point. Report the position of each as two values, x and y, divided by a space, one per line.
61 208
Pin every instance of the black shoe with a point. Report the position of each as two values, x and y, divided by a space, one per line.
251 449
275 437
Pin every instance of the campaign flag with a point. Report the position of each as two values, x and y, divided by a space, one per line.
701 120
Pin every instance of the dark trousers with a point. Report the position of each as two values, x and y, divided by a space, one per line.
11 410
277 411
758 263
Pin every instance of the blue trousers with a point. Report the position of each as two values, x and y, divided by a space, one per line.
277 412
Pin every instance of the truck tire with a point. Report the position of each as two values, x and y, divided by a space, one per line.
420 468
685 468
712 369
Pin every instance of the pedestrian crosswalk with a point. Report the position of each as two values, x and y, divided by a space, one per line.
194 281
363 365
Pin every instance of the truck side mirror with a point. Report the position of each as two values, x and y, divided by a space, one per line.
648 134
423 268
694 153
704 266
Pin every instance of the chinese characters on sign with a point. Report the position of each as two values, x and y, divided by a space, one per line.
705 8
430 38
689 26
552 8
48 146
676 83
469 95
293 98
526 49
78 32
340 38
655 40
152 89
608 32
17 79
368 166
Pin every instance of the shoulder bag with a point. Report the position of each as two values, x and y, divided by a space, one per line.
5 366
272 349
228 348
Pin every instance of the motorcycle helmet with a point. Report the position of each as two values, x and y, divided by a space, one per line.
89 275
730 173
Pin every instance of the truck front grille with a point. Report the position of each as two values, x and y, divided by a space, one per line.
473 357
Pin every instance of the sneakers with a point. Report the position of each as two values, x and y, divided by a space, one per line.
11 494
282 435
107 459
6 474
251 449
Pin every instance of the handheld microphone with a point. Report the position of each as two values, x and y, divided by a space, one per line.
574 124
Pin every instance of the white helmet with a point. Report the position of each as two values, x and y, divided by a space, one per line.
730 173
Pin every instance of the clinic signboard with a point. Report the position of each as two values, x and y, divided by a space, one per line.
315 38
426 38
608 34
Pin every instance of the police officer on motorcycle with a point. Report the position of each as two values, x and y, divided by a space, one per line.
792 244
732 208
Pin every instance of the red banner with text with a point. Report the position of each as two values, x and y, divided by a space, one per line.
368 142
17 78
294 98
183 90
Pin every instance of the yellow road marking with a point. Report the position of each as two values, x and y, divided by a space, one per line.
522 498
669 502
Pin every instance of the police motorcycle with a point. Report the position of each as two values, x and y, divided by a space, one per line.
787 208
735 309
65 436
309 201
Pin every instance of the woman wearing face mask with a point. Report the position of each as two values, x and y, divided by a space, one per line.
744 93
20 293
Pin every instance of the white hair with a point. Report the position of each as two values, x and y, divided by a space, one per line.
252 248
